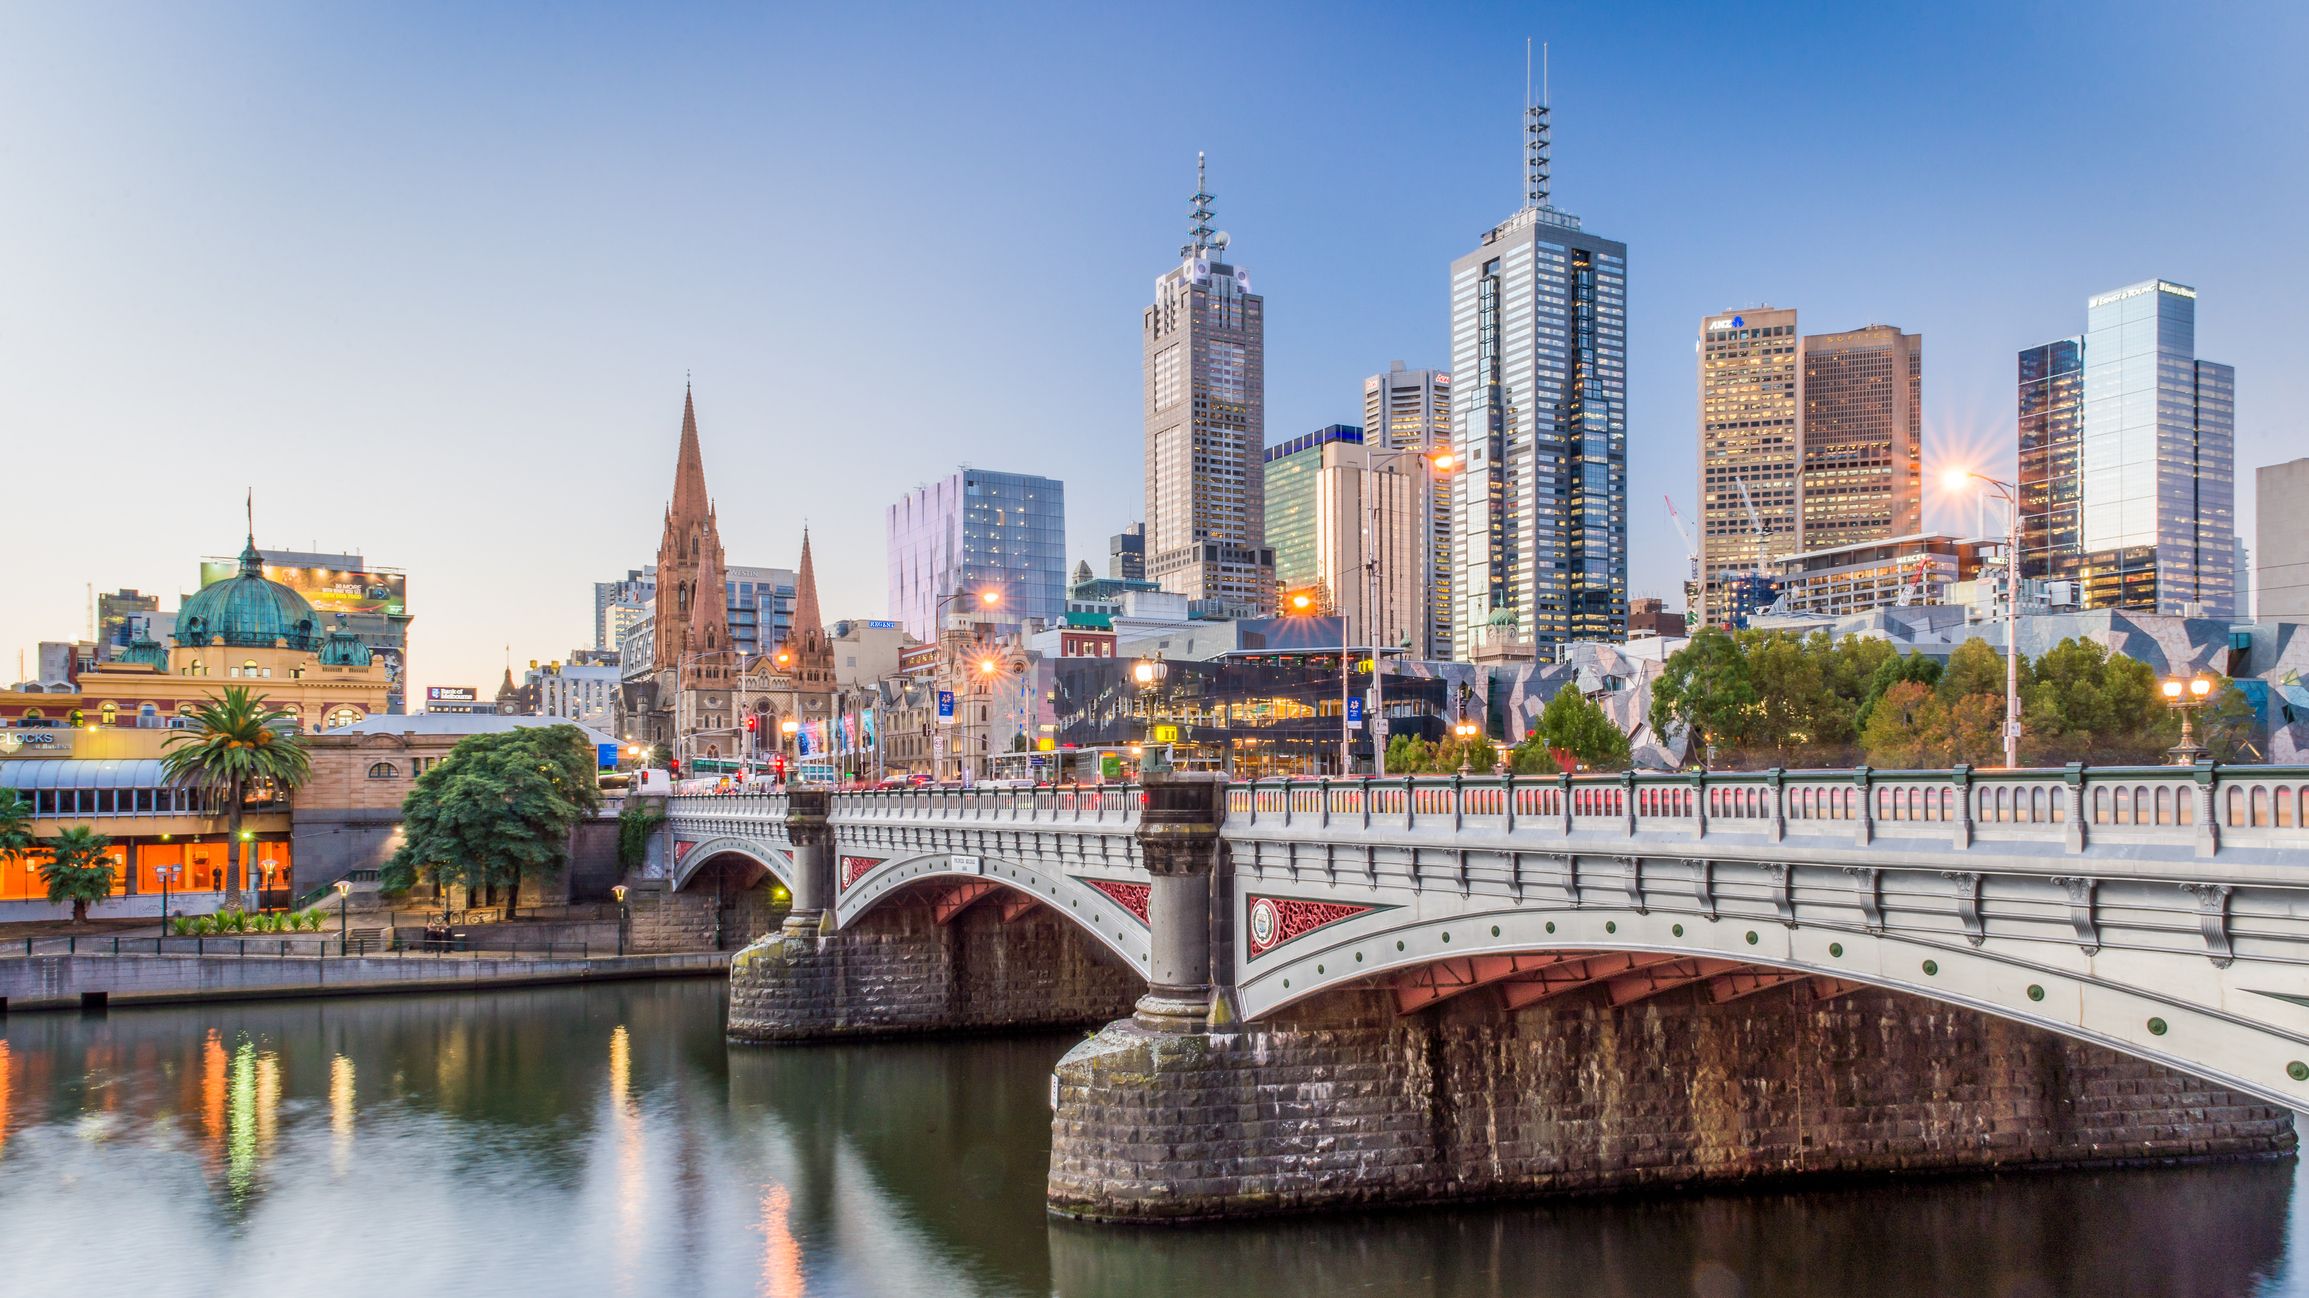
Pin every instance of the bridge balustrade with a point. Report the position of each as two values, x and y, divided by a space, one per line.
1061 804
2144 804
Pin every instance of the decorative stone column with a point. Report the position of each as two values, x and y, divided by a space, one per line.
813 840
1179 839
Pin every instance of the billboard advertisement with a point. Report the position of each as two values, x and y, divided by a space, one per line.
328 590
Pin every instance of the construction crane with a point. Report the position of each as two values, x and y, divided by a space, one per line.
1755 525
1695 590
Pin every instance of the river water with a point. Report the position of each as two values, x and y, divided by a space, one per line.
604 1141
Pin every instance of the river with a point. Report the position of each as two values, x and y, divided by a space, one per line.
604 1141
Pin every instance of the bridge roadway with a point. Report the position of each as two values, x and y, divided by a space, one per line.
2160 911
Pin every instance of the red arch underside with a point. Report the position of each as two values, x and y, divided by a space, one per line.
1626 977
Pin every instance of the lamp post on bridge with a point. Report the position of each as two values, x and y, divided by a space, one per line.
344 919
618 892
2187 696
1955 479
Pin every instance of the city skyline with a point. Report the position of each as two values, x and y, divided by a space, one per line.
245 269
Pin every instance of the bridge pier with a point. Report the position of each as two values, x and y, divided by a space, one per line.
1179 840
1343 1101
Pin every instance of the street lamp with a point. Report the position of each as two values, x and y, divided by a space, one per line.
2188 696
1957 480
618 891
1465 732
167 874
344 889
1439 461
787 729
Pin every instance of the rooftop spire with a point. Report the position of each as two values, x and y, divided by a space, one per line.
1535 132
806 616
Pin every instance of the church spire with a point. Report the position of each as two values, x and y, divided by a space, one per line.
813 668
806 616
689 471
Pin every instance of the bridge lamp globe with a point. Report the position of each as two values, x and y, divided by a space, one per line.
2199 687
789 726
2172 690
990 598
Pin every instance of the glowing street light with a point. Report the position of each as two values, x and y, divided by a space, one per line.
2188 696
1957 480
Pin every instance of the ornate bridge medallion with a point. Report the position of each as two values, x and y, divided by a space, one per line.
855 867
1276 920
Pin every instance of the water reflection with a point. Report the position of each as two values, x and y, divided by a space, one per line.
604 1141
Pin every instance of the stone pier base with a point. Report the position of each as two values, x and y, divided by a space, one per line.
900 972
1345 1103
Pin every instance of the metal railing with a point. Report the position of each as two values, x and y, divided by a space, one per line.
307 946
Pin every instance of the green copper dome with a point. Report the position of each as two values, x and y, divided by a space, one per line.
343 648
248 611
145 650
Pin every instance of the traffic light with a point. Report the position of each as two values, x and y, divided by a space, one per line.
752 723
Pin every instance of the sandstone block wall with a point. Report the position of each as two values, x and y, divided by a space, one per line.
660 919
1344 1102
898 971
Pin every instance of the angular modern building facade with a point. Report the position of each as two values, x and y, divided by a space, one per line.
2128 445
1204 355
978 531
1407 409
1539 426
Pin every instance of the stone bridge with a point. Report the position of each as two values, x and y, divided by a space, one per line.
1357 991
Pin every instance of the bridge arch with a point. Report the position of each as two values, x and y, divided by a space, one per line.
769 861
2177 1009
1113 917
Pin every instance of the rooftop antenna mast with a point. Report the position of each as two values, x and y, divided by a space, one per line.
1535 131
1202 230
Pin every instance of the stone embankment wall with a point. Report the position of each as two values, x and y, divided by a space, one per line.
898 971
62 982
660 919
1344 1102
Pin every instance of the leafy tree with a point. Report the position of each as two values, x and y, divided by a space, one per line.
2082 703
1912 726
661 756
1574 724
238 745
1707 689
1974 667
78 870
1891 670
497 810
1409 755
1801 718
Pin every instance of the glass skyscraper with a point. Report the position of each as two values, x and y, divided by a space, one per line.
2128 445
976 531
1539 425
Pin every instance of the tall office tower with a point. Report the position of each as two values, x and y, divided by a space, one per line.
1205 367
2052 407
976 532
1751 449
1411 409
1126 554
1539 425
2137 432
1863 435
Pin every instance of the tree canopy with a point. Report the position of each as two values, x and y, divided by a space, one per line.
1572 731
497 810
1774 698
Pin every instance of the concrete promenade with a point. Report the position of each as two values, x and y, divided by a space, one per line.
74 981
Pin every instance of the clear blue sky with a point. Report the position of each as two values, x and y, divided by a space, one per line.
428 277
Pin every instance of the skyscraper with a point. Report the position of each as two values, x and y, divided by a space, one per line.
978 531
1807 443
1539 424
1863 435
1751 448
1406 408
2152 473
1205 373
2052 405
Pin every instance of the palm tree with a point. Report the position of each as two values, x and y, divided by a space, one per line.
78 869
236 746
15 825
